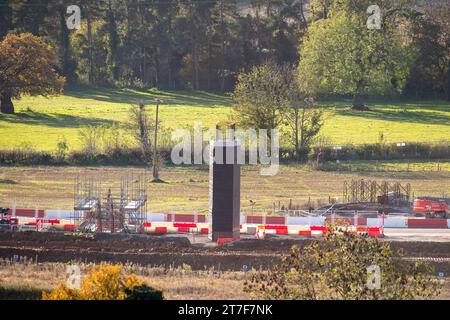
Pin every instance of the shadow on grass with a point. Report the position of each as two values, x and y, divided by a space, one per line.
20 293
400 116
403 175
54 120
8 181
134 96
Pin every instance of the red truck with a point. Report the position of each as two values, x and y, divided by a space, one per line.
431 207
6 222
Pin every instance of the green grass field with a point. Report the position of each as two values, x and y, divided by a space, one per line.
41 122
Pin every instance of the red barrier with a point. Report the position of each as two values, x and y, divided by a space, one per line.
304 233
269 220
69 227
185 225
204 230
147 224
270 227
254 219
428 223
184 229
185 218
161 230
275 220
51 221
319 228
374 232
30 213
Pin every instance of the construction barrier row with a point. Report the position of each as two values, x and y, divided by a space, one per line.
251 229
388 221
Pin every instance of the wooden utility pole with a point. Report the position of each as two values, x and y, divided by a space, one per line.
155 145
90 46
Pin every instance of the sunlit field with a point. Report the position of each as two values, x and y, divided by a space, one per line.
41 122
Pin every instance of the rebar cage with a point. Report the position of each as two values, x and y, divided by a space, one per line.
104 207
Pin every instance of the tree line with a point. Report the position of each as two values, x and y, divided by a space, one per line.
170 43
197 44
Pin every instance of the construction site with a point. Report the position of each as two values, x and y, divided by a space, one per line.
110 221
100 208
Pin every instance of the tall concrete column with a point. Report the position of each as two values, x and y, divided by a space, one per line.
224 189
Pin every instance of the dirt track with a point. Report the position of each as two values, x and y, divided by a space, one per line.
175 251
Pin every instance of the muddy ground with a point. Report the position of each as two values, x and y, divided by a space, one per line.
178 250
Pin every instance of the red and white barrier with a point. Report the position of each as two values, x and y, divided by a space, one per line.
193 223
428 223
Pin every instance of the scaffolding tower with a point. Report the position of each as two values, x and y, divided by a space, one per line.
369 191
99 207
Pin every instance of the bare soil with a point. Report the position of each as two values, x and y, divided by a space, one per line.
174 251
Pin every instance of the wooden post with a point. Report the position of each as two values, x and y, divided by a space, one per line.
155 146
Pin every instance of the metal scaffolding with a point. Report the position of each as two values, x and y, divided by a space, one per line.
368 191
99 207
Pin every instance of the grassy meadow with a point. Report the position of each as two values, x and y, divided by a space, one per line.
41 122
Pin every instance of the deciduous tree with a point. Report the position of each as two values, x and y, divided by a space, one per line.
341 55
27 66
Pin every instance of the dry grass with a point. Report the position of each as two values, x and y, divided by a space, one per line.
186 188
177 284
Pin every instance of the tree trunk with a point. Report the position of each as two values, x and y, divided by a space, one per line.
6 105
222 50
448 82
358 104
302 128
65 43
155 148
90 49
209 63
195 81
296 134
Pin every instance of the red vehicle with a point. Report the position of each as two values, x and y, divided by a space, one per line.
431 207
6 222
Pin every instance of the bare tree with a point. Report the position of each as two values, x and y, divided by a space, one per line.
303 117
140 125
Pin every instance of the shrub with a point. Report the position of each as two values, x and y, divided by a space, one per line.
61 149
336 268
90 138
144 292
105 282
380 151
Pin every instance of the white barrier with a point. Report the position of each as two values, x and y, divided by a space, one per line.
396 223
375 222
155 217
58 214
313 221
